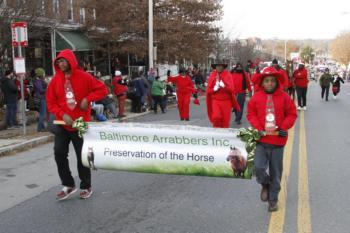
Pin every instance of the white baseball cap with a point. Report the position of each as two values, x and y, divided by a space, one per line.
117 73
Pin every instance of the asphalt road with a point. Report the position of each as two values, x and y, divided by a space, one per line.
316 190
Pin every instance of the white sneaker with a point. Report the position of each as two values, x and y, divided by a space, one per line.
304 108
299 108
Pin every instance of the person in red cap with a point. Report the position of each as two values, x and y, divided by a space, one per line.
68 97
272 112
242 84
184 90
221 96
301 82
120 89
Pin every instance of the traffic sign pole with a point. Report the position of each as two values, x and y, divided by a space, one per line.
22 96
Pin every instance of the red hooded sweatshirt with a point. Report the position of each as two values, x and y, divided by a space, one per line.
300 78
238 82
285 113
119 88
226 93
84 86
184 86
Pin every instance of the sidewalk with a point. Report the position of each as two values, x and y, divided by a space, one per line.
13 140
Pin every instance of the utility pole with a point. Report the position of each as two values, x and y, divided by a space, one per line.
150 33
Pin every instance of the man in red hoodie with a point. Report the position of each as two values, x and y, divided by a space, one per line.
272 112
120 89
221 96
184 90
241 83
68 97
301 82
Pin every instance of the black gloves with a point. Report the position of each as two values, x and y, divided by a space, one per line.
282 133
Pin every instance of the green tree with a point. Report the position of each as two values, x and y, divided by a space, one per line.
307 54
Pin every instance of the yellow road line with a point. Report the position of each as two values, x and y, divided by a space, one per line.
277 218
304 215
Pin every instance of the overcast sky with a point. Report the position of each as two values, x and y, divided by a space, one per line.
285 19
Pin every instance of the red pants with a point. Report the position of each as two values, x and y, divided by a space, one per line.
221 115
183 102
121 104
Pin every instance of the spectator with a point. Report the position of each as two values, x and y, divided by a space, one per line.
10 90
39 97
120 90
137 93
158 91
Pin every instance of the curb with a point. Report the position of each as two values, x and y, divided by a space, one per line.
23 146
11 149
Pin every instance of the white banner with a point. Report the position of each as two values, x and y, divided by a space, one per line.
165 149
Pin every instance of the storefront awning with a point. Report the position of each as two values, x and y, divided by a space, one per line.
73 40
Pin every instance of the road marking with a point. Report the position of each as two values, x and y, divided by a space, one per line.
304 215
277 218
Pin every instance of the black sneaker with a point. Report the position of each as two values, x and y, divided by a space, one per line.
273 206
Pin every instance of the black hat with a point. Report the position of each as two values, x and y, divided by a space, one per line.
8 72
274 61
182 70
219 62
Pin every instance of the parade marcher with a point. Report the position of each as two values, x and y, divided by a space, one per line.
40 86
158 92
10 90
272 112
241 82
291 84
325 83
184 90
336 85
68 96
221 97
255 78
301 82
283 72
120 90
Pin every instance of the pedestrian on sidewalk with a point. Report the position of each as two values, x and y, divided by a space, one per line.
68 96
241 82
137 92
336 85
221 96
10 90
120 89
325 83
184 90
158 92
272 112
40 87
301 83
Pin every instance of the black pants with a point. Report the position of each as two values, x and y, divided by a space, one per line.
61 149
325 89
269 158
157 100
241 101
301 93
136 104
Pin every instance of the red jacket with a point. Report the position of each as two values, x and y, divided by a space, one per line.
285 113
184 86
119 88
228 92
255 81
238 82
285 83
84 86
300 78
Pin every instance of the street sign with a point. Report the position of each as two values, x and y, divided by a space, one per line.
20 66
19 34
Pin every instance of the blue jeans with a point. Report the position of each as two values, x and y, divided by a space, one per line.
11 111
241 101
42 115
